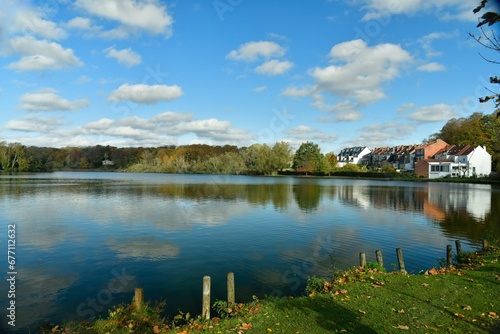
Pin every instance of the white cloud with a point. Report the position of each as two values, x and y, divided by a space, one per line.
431 67
447 9
137 14
170 117
260 89
160 129
48 100
79 22
384 134
274 67
125 56
298 92
252 51
306 133
343 111
32 123
434 113
26 21
148 94
40 55
365 70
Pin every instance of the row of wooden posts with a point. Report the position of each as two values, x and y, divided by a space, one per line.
205 314
401 262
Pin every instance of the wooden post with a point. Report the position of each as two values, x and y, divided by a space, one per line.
485 244
205 312
401 261
380 261
449 256
362 260
230 289
458 245
138 298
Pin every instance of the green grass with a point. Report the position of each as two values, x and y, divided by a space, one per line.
465 299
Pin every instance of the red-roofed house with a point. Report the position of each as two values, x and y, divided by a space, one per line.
455 161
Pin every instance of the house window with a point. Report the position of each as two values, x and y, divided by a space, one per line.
434 168
445 168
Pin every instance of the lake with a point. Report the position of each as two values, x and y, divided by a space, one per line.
84 240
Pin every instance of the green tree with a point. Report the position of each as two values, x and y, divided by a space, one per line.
328 163
281 155
307 158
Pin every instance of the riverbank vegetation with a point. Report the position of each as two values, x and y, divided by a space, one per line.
461 299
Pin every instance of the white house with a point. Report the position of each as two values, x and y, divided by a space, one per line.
456 161
352 155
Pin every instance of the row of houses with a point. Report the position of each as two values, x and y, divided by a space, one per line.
431 160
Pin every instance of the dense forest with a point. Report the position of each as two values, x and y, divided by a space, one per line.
477 129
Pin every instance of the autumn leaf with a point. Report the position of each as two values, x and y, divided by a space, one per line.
156 330
425 284
405 328
246 326
492 315
433 271
458 315
467 307
362 312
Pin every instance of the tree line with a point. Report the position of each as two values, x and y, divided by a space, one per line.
259 159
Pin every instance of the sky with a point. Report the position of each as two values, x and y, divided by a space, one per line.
152 73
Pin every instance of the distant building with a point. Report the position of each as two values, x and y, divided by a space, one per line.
428 151
352 155
456 161
400 157
107 162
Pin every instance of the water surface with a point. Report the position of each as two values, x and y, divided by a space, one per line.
86 240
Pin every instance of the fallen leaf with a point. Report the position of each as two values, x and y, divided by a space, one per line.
361 311
55 329
246 326
401 311
405 328
467 307
458 315
425 284
433 271
156 330
492 315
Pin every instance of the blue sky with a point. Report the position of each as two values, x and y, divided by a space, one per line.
152 73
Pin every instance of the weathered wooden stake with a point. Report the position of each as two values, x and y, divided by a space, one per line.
401 261
362 260
485 244
449 256
138 298
380 261
230 289
205 312
458 245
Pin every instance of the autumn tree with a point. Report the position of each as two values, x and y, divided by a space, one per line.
307 158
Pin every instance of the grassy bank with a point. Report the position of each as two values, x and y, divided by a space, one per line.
464 299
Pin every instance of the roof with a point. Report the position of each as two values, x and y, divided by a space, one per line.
458 150
352 151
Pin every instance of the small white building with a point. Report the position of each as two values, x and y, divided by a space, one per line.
456 161
352 155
